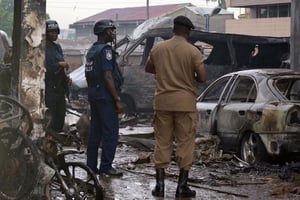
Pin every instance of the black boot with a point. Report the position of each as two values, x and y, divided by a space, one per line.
182 188
159 190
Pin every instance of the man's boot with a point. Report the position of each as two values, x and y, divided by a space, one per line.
159 190
182 188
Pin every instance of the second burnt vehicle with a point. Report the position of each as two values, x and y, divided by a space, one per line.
223 53
255 113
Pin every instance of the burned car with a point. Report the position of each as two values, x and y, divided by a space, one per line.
255 113
223 53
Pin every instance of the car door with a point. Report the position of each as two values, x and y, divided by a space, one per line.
232 113
208 102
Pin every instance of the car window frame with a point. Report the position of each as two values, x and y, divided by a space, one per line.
223 96
235 85
287 93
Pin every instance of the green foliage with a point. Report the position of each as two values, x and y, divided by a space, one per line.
6 16
222 4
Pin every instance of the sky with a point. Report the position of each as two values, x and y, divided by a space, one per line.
66 12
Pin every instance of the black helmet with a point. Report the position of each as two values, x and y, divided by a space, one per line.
52 25
103 24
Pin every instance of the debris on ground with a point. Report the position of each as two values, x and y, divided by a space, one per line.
214 174
207 149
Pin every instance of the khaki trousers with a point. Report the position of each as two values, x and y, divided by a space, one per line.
170 125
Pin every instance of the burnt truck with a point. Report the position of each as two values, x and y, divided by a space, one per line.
222 52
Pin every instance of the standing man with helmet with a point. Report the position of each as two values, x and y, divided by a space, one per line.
104 81
56 80
177 64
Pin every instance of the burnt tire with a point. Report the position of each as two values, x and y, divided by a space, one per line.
252 150
19 166
15 116
82 183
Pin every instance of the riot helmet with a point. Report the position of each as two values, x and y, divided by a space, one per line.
101 25
52 25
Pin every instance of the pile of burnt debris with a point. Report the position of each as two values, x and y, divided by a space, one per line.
212 168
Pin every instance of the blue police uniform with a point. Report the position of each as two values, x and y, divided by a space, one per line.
104 118
55 86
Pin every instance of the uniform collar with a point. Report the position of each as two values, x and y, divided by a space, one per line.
179 37
99 42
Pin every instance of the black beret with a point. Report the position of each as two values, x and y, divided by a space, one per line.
183 21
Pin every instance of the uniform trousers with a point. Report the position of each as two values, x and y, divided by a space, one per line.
57 107
181 126
104 126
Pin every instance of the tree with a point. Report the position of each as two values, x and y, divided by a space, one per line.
221 3
6 16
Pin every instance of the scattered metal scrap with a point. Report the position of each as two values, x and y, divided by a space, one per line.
208 156
175 178
207 149
286 188
217 190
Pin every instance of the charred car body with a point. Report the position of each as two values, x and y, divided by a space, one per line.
255 113
223 53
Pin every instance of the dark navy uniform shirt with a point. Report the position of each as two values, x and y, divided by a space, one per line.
55 77
107 64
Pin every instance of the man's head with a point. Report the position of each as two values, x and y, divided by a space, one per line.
105 28
52 30
182 25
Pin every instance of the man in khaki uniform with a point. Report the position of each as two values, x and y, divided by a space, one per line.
177 64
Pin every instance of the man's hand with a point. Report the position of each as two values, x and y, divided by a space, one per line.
64 65
119 107
69 81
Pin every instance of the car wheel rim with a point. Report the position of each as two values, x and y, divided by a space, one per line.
249 149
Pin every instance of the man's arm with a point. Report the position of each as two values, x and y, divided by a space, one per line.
110 85
200 74
150 68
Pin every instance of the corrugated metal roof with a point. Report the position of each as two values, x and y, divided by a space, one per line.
133 13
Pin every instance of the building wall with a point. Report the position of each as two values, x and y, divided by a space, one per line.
125 27
278 27
216 23
251 25
246 3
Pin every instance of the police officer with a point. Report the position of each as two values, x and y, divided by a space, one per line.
104 81
176 64
56 80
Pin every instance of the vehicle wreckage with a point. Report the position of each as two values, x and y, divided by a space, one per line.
255 113
223 53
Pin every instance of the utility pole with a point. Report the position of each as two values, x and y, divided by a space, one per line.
148 9
295 35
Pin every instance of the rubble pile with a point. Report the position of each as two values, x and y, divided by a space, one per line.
207 149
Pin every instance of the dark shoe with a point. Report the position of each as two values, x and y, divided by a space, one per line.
112 173
159 190
182 189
